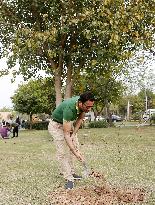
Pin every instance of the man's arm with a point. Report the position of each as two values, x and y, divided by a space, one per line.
78 122
67 128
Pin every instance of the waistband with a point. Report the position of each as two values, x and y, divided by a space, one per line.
57 121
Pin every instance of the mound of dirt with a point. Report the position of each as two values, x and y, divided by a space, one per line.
96 196
104 194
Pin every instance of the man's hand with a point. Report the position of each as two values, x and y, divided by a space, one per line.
80 157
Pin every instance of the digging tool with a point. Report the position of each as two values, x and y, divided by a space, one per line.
86 171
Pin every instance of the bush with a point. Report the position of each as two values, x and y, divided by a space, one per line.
98 124
136 116
153 118
43 125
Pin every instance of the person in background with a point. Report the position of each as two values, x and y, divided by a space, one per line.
5 131
23 124
64 125
15 126
18 120
15 130
3 122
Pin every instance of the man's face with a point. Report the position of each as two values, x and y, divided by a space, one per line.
86 106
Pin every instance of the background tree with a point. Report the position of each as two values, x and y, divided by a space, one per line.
150 98
66 37
137 102
37 96
136 106
6 109
105 87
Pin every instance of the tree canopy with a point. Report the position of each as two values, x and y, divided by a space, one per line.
107 89
37 96
67 37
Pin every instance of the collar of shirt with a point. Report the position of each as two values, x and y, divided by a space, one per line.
78 110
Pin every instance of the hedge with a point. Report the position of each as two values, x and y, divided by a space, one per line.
41 125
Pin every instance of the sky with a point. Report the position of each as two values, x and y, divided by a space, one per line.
7 88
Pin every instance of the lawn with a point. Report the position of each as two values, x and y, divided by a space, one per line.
126 157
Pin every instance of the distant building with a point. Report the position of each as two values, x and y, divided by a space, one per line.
5 116
35 118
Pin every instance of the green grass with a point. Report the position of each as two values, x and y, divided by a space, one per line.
29 171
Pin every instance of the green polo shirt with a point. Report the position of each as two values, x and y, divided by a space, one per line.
67 110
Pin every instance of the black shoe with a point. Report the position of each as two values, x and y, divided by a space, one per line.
76 177
69 185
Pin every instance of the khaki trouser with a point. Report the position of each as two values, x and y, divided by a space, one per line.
63 153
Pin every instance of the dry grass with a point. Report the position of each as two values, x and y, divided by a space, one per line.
126 157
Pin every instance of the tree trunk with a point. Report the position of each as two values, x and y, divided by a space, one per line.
59 71
69 80
57 77
68 90
109 115
58 86
30 121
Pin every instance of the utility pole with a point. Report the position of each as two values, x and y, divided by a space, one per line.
146 102
128 110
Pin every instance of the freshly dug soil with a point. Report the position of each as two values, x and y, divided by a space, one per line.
102 194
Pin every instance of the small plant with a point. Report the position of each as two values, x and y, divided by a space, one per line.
98 124
136 116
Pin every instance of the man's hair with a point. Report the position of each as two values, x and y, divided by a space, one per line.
86 96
